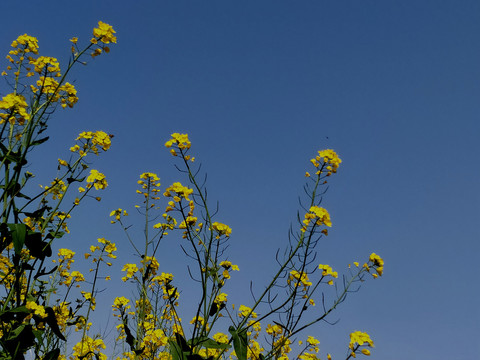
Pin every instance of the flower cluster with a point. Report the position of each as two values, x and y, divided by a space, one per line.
97 179
38 310
104 33
318 216
92 142
150 184
328 271
245 311
228 266
118 213
180 142
14 109
376 262
131 269
178 191
89 349
23 47
296 278
328 159
358 339
221 229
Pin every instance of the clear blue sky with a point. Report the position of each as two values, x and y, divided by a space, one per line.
392 86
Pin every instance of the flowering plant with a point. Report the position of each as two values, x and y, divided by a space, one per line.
43 302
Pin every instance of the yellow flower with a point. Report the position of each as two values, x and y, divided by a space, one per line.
221 338
121 302
42 62
312 341
243 311
328 271
30 43
377 263
299 277
15 108
37 309
360 338
98 179
221 298
221 229
179 190
329 158
181 140
104 33
131 269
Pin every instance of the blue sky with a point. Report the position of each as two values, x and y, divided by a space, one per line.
260 86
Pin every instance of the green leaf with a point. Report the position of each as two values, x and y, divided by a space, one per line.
212 344
182 343
240 342
19 233
39 141
37 214
175 350
38 248
52 322
52 355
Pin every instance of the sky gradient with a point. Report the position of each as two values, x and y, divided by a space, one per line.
260 86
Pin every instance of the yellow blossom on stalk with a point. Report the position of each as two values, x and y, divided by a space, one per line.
197 319
65 255
319 216
328 271
170 224
57 190
274 330
29 43
68 95
94 140
228 265
299 277
48 85
243 311
360 338
77 276
131 269
308 356
221 229
179 190
62 314
190 221
97 179
104 33
108 247
46 62
221 298
377 263
312 341
37 309
323 217
180 140
118 213
121 302
89 349
15 109
152 264
221 338
329 158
